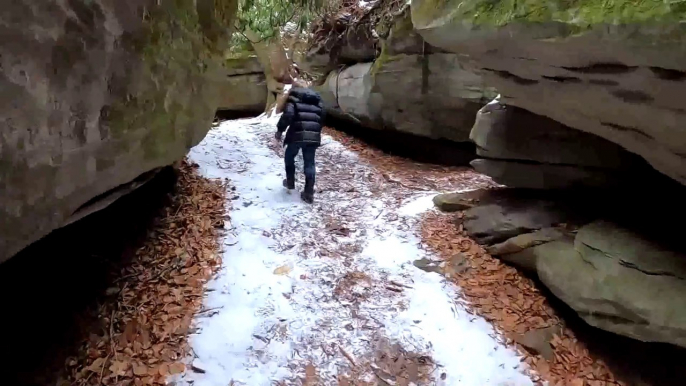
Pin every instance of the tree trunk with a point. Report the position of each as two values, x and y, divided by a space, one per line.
275 63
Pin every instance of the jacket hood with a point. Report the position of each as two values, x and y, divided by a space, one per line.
305 95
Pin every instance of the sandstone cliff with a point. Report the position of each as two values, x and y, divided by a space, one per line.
96 94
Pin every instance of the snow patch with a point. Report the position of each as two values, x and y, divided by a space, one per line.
277 311
418 205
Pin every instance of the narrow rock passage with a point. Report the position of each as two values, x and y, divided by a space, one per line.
328 294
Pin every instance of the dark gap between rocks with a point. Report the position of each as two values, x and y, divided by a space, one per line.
668 74
51 290
228 115
640 207
414 147
633 362
602 68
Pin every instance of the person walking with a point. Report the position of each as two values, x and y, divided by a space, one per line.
303 117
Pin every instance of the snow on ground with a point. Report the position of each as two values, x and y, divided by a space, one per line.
329 287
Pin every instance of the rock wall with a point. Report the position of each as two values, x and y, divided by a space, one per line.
614 70
524 150
245 73
95 94
614 276
411 87
589 98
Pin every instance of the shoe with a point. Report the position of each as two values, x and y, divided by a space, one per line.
307 197
308 193
289 184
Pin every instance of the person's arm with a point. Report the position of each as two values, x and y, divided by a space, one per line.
323 113
286 118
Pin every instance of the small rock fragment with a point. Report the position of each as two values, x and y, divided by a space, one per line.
458 263
427 265
455 202
538 341
198 367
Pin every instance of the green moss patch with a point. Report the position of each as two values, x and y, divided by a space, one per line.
576 12
183 49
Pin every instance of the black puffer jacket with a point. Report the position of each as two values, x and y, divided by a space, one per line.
303 116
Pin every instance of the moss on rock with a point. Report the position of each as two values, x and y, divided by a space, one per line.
576 12
182 58
122 101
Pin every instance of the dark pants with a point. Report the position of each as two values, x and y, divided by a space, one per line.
308 158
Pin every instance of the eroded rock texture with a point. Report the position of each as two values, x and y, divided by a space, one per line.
616 71
245 89
411 87
95 93
616 278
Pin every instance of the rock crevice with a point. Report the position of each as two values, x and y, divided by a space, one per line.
614 277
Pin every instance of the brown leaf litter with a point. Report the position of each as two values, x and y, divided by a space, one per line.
491 289
388 364
159 292
405 176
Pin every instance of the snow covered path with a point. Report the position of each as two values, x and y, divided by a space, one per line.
327 294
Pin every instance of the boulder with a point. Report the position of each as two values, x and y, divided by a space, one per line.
616 71
615 278
511 133
97 93
347 95
455 202
504 213
521 250
619 281
525 150
357 44
546 176
245 89
411 87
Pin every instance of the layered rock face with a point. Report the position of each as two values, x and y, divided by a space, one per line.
588 99
614 277
245 75
525 150
616 71
96 94
411 87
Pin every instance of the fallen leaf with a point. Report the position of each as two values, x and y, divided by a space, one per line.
177 368
282 270
163 369
310 375
97 365
140 369
119 368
